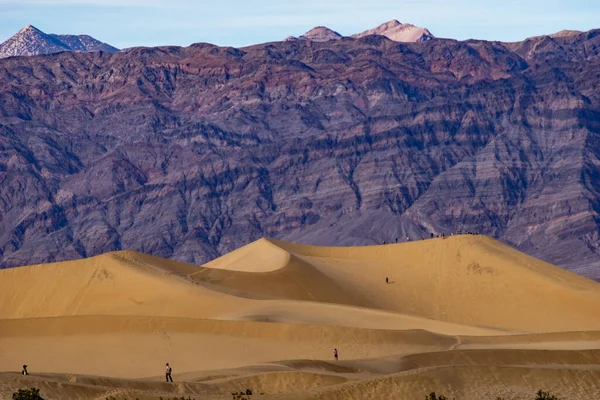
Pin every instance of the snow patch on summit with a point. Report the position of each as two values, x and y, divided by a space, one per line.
399 32
31 41
317 34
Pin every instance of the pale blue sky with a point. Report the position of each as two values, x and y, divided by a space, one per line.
126 23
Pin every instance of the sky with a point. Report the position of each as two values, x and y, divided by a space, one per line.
128 23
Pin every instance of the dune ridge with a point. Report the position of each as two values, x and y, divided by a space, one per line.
269 314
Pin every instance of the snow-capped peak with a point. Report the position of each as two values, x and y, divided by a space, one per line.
29 28
399 32
317 34
394 30
32 41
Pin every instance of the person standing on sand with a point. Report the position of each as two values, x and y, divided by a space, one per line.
387 280
24 372
168 371
335 354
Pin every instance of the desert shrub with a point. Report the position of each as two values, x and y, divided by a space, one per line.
176 398
243 395
27 394
541 395
114 398
432 396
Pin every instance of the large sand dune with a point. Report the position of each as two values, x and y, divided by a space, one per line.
465 315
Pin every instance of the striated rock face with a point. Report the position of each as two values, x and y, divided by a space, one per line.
191 152
399 32
30 41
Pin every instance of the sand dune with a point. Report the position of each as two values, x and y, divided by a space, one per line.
463 314
135 347
471 383
469 280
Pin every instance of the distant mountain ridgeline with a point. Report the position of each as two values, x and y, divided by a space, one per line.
30 41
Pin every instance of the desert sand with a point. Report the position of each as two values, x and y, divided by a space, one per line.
465 316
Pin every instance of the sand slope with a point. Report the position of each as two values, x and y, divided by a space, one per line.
268 316
468 279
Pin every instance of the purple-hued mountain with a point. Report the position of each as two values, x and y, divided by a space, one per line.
30 41
188 153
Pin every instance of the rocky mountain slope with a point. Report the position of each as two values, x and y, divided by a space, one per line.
84 43
31 41
317 34
188 153
399 32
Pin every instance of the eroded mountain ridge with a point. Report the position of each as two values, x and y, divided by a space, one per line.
191 152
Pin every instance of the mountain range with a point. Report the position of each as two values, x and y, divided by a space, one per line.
31 41
188 153
393 30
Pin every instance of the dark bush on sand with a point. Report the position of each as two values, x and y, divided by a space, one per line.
541 395
27 394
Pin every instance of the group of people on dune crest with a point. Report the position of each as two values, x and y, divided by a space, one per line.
438 236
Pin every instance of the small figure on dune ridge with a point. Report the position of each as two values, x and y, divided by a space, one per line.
387 280
168 373
24 372
335 354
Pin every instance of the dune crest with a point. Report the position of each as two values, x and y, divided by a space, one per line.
259 256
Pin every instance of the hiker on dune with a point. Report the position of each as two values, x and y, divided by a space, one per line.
24 372
168 373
